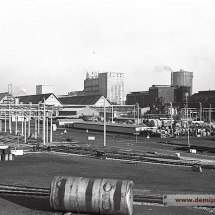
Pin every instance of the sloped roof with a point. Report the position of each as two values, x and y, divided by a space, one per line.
203 96
80 100
2 95
35 99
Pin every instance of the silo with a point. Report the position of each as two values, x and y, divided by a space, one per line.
183 78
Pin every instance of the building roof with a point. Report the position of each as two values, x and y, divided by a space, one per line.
203 96
2 95
35 99
80 100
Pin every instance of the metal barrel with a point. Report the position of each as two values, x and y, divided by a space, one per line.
93 196
4 157
10 157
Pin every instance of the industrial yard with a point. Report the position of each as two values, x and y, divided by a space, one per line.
150 163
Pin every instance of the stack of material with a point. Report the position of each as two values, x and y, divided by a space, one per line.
5 153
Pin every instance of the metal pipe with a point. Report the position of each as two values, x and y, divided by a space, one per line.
171 117
16 124
188 133
5 124
200 111
210 119
38 113
9 120
44 125
29 125
47 129
112 113
137 114
22 118
25 130
35 128
51 129
104 124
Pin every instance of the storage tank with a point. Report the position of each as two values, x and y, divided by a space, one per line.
183 78
155 123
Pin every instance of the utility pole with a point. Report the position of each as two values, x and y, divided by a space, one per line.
210 118
44 122
171 116
104 124
188 132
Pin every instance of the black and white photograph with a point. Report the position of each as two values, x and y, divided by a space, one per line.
107 107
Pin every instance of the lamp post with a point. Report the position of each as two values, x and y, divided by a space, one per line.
210 118
104 124
188 132
137 113
44 123
171 116
112 113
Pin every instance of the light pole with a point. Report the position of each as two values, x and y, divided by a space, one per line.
200 112
112 113
104 124
137 113
188 132
171 116
210 118
44 123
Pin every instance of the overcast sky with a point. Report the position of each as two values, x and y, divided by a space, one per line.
57 41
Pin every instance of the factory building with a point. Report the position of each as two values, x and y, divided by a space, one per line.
109 84
141 97
182 78
180 93
159 95
44 89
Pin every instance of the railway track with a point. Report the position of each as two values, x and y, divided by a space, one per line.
45 192
129 157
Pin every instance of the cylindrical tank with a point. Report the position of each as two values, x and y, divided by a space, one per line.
4 157
10 157
87 195
183 78
155 123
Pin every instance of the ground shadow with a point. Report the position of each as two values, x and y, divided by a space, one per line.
32 202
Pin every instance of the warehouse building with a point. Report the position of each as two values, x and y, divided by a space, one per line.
50 99
93 100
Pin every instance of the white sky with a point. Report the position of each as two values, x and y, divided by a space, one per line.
57 41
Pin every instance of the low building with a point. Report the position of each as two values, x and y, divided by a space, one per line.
50 99
95 100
